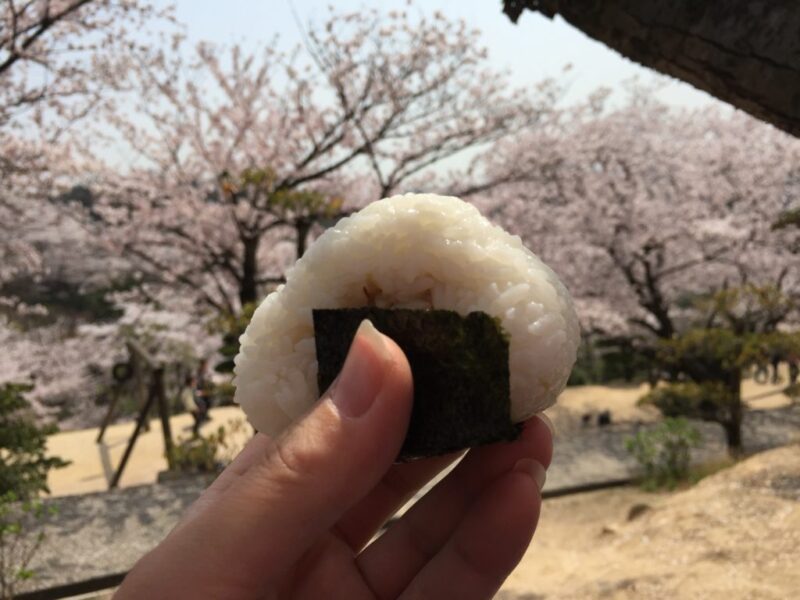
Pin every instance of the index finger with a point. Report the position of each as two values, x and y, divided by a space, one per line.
396 488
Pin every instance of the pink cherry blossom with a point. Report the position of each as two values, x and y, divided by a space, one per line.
642 207
372 105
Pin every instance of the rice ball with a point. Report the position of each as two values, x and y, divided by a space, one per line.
418 251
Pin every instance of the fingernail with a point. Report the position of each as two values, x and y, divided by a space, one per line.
546 420
534 469
361 378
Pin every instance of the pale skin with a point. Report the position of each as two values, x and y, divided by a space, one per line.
295 517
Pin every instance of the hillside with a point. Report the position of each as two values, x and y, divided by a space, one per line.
735 535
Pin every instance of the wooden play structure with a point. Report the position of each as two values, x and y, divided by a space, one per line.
148 375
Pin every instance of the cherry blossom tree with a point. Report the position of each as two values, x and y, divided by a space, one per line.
60 58
642 208
59 61
70 367
661 223
240 156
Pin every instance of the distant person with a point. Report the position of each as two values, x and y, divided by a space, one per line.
190 404
653 377
761 374
202 372
775 361
202 393
794 369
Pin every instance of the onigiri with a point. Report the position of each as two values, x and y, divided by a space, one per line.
413 251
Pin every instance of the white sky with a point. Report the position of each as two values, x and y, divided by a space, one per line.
532 50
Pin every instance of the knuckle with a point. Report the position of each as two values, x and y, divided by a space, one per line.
297 461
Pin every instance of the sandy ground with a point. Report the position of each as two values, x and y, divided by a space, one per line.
94 464
622 402
735 535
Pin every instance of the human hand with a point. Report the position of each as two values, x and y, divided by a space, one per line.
293 517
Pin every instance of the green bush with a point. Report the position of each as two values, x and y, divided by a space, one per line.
704 369
74 301
232 327
201 454
20 538
610 361
223 393
709 401
24 463
664 453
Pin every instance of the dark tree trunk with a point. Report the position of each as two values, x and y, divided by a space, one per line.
303 228
733 424
733 437
248 286
666 330
746 52
628 358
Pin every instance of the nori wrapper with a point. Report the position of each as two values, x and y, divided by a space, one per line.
459 364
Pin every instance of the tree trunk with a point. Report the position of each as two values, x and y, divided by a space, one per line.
248 286
746 52
627 363
303 228
733 437
733 424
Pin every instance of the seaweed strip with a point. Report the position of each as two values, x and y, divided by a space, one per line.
460 369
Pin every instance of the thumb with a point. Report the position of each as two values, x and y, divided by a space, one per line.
279 496
336 454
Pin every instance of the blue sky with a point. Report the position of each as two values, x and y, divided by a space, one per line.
533 49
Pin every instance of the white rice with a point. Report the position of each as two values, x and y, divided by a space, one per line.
410 251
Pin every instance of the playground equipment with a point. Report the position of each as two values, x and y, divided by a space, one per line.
148 374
